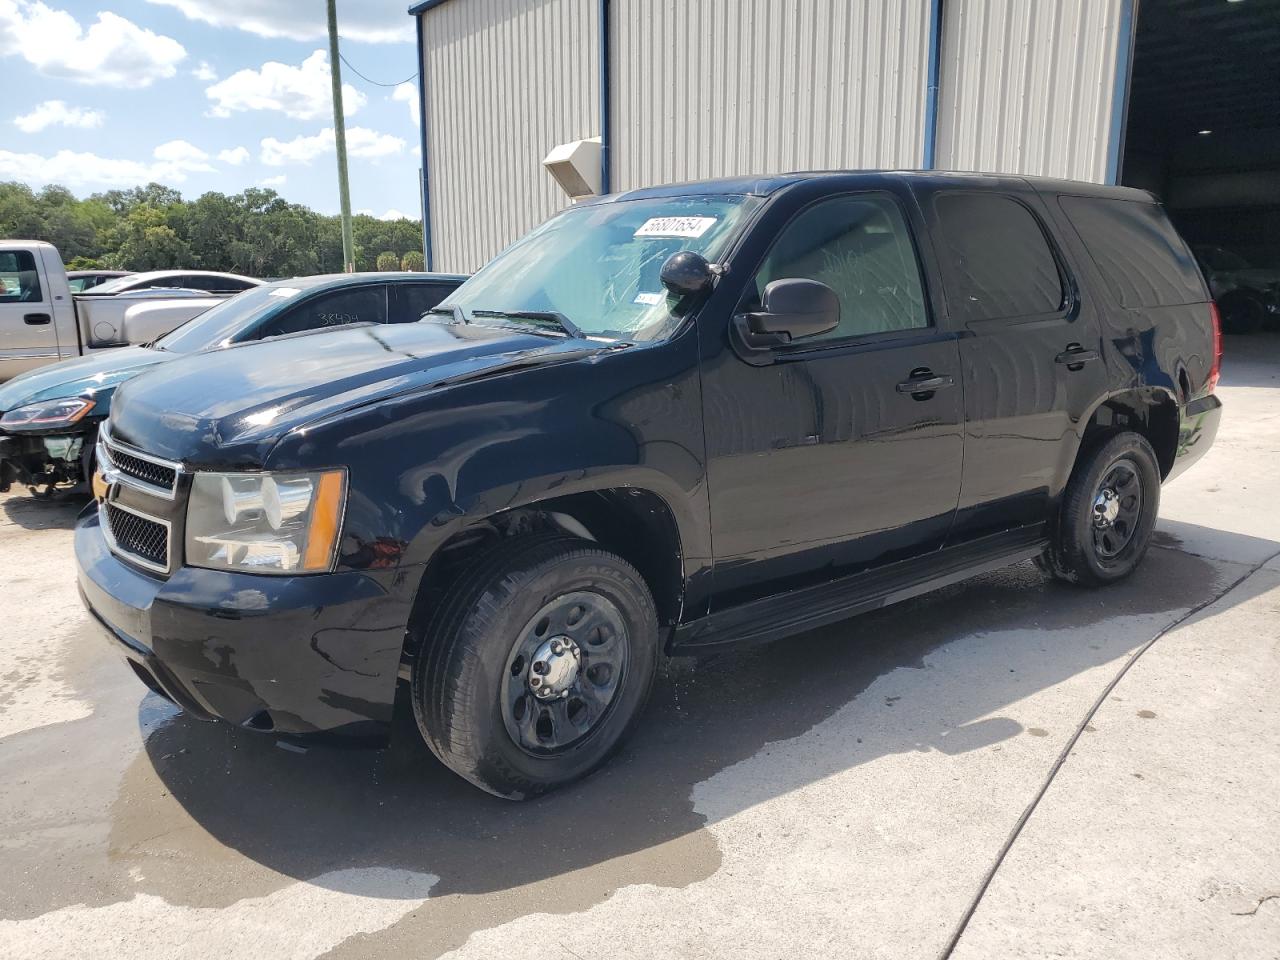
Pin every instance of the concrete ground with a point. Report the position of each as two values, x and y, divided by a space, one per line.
974 773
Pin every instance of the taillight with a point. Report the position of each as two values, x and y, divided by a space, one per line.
1215 371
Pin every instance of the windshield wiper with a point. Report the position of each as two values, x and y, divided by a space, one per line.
546 316
455 311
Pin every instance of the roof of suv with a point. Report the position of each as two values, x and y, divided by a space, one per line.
766 184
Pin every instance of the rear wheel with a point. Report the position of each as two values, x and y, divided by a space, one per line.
1108 513
536 666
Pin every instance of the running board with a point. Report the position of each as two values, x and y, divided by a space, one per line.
772 618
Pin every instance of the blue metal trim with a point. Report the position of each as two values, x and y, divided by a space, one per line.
931 89
606 113
424 6
428 258
1120 95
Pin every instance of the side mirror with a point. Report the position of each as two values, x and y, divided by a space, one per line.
792 309
687 273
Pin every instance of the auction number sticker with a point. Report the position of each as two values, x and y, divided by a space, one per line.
675 227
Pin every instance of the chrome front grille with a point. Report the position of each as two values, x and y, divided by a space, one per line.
142 471
142 539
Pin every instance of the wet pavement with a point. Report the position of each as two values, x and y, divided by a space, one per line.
843 794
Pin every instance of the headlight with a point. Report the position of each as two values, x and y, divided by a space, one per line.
51 413
265 522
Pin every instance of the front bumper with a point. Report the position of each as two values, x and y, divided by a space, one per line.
1197 428
286 654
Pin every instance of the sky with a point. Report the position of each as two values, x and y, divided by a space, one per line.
209 95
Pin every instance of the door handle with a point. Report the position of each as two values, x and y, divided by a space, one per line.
1075 356
36 319
924 383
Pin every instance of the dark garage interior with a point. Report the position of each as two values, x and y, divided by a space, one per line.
1203 134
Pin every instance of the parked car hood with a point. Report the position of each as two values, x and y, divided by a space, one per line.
228 408
95 375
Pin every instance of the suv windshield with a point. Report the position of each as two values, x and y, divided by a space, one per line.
598 264
225 321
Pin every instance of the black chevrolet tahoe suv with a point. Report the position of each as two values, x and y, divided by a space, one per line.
663 421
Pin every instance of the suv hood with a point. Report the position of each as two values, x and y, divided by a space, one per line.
228 408
94 375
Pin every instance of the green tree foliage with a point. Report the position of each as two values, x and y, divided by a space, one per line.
256 232
387 260
413 260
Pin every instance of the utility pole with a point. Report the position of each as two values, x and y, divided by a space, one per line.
340 141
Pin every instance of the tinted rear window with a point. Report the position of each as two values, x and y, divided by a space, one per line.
1141 256
998 262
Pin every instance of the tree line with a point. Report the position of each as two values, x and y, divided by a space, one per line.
257 233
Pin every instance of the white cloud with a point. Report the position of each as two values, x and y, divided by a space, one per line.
362 142
276 181
372 22
234 157
112 52
302 92
204 73
394 214
408 93
171 162
56 113
182 156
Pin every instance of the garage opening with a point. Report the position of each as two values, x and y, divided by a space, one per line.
1204 135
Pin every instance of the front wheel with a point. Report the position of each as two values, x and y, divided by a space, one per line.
1108 513
536 666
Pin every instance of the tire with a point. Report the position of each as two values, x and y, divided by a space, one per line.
1242 313
1093 552
473 684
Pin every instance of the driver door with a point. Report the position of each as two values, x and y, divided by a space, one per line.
27 335
821 461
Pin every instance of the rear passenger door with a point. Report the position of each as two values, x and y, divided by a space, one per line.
821 459
1031 357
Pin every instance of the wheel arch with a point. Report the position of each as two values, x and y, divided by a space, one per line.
1151 412
636 523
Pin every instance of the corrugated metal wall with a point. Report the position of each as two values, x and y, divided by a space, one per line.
507 80
1026 86
707 88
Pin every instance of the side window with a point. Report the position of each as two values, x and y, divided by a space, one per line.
226 285
860 247
409 301
997 261
19 281
159 283
1141 256
361 305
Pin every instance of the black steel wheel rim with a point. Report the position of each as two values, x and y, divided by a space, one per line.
1117 509
551 701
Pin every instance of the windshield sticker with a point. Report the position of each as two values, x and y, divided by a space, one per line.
648 299
284 292
675 227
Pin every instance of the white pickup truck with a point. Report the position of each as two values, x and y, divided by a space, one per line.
42 321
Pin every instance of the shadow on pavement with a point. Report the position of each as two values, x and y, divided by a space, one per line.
57 511
302 814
